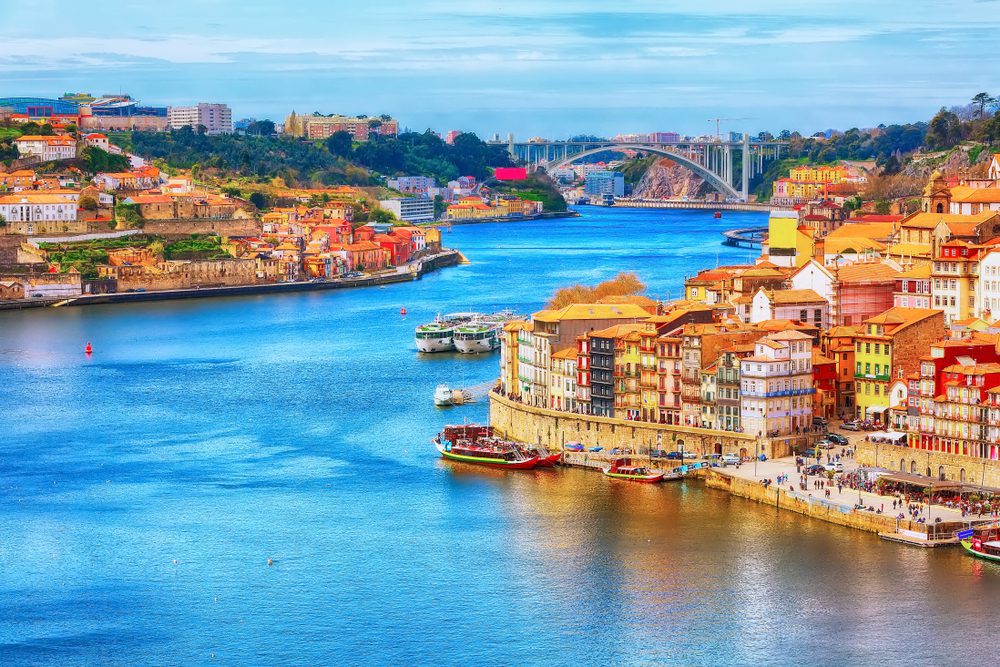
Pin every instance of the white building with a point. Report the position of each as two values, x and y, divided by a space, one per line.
777 385
38 207
562 380
46 148
988 286
813 275
216 118
413 209
411 184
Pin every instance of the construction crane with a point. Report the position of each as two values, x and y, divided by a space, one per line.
718 125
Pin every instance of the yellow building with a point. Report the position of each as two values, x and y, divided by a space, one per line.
787 245
888 347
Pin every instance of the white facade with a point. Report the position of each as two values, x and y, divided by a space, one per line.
37 208
813 275
413 209
46 148
562 383
216 118
777 386
988 286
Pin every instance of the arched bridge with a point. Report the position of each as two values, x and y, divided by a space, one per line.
714 161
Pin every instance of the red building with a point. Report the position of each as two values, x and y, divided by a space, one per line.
863 290
825 383
397 247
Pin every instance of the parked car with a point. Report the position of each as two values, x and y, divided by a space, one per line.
834 466
730 459
819 421
838 439
812 453
825 444
815 469
851 426
658 453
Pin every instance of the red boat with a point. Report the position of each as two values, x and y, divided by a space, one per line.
546 459
718 214
476 444
625 469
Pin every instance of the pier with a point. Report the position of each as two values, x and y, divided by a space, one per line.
748 237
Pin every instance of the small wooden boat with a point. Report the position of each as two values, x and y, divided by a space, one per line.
624 469
984 543
471 443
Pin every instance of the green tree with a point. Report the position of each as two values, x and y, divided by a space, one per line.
944 130
382 216
87 203
340 143
128 216
259 199
982 100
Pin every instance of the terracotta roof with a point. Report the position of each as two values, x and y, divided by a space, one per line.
866 272
790 296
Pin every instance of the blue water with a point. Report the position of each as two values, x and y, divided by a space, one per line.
142 492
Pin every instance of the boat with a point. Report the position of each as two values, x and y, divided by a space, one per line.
436 336
984 542
717 215
625 469
472 443
546 459
445 395
477 337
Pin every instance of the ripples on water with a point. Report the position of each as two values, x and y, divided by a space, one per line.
143 491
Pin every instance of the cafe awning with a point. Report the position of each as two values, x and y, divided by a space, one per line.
876 409
921 481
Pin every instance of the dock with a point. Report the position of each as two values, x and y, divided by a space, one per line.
749 237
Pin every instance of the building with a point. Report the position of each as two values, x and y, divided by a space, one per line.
777 386
411 184
562 380
311 126
888 347
913 287
788 245
37 207
802 305
45 148
410 209
215 118
806 182
863 290
955 274
602 183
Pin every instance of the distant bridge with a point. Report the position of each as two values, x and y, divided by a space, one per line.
714 161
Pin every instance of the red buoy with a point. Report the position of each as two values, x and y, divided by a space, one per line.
89 349
402 311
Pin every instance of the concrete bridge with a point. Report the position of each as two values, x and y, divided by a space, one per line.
727 166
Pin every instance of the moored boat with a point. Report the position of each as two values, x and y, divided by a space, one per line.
477 337
625 469
472 443
984 543
546 459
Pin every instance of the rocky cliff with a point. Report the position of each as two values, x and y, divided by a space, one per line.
666 179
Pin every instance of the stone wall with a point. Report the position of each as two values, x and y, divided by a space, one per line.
752 490
553 429
957 468
231 227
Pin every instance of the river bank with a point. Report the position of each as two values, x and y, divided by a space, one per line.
448 257
552 215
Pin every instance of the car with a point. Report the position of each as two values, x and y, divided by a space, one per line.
674 456
658 453
815 469
825 444
730 459
812 453
837 439
834 466
851 426
819 421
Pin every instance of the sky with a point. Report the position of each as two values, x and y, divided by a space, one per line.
551 68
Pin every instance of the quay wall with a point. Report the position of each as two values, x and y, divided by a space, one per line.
955 467
626 202
553 429
813 507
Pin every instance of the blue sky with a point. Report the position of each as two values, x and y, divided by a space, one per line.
532 67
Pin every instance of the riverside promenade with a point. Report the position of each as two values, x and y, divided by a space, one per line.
406 273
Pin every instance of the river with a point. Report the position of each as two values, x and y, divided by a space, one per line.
144 490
